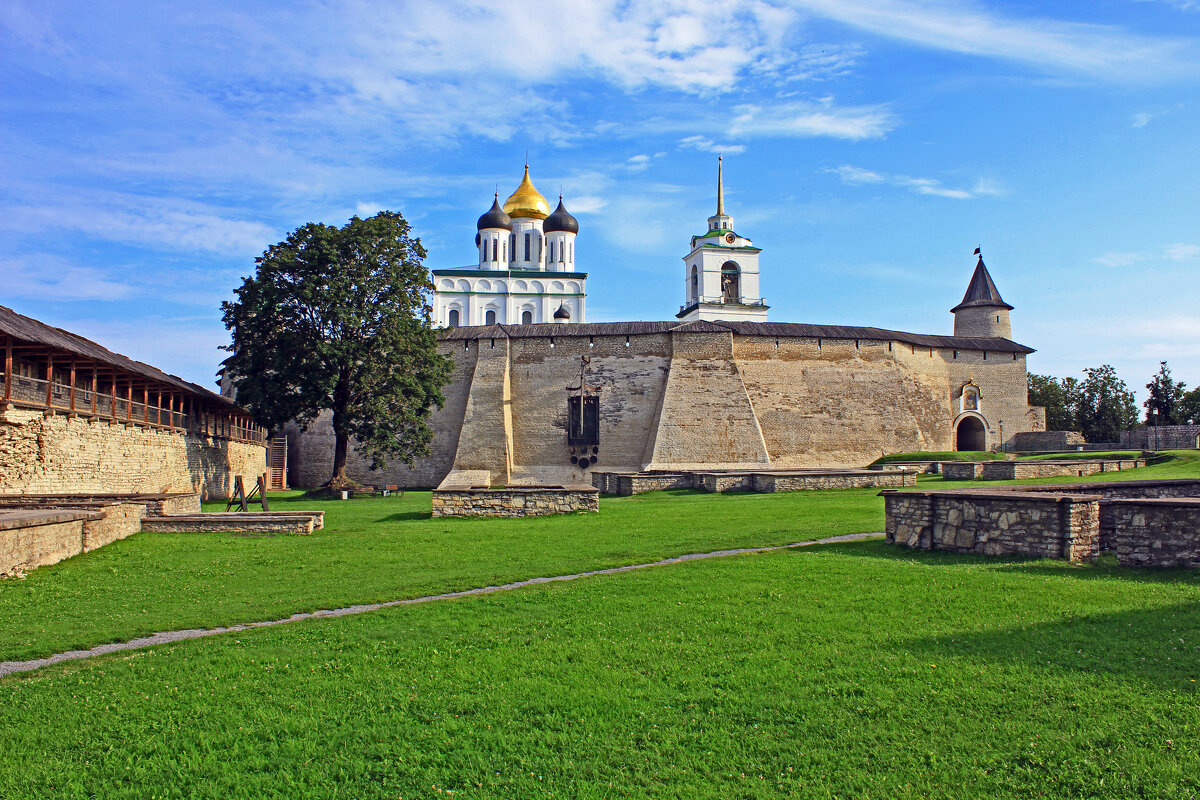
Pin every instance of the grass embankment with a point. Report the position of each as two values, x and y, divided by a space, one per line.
375 549
1167 464
1073 455
841 671
949 455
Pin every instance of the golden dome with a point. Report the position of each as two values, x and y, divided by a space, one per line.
526 202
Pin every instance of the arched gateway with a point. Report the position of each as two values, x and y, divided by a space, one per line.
970 434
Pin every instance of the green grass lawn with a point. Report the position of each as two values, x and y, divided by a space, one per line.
375 549
855 670
1074 454
946 455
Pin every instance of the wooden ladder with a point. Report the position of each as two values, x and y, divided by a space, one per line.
277 463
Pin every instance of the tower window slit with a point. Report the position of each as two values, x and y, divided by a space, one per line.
527 247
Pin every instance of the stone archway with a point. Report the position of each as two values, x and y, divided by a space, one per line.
970 434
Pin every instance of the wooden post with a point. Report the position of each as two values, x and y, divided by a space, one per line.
113 396
171 409
129 403
95 385
49 382
146 404
71 394
7 370
159 412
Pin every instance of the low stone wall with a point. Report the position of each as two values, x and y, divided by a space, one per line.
769 482
962 470
933 467
1046 441
1026 470
631 483
1164 437
59 453
1008 523
157 504
1147 523
34 538
1155 532
514 501
302 522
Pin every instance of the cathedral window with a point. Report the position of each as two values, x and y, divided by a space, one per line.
552 251
453 320
526 317
527 247
495 250
695 284
489 318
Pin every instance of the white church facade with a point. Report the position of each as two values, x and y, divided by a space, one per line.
526 271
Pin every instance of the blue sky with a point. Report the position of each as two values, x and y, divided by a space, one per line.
152 150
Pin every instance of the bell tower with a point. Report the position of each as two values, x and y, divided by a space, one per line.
720 274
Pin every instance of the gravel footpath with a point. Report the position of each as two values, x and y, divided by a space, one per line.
166 637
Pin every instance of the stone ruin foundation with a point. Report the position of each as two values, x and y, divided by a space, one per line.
1145 523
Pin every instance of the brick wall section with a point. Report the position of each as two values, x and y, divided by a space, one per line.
1046 441
1164 437
73 455
1155 532
1003 523
514 502
30 544
689 401
793 483
962 470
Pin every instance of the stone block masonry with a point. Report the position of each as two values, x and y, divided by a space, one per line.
695 397
1007 523
1147 523
63 454
34 538
1155 532
524 501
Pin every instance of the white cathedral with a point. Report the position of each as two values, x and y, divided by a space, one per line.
526 272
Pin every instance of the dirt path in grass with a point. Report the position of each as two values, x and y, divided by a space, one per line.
166 637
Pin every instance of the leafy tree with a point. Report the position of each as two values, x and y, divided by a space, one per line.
1058 398
338 319
1165 397
1105 405
1188 410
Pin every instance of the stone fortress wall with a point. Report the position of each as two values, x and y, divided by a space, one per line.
63 454
696 396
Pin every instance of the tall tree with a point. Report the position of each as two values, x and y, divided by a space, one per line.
338 319
1165 397
1105 406
1188 410
1058 398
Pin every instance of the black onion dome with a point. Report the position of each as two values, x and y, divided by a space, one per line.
561 220
495 217
562 312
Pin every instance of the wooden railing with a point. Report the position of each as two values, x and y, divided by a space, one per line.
59 397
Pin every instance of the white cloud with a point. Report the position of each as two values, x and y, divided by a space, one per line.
969 28
707 145
38 277
1182 252
1141 119
1180 5
1173 252
586 204
155 222
857 176
805 119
